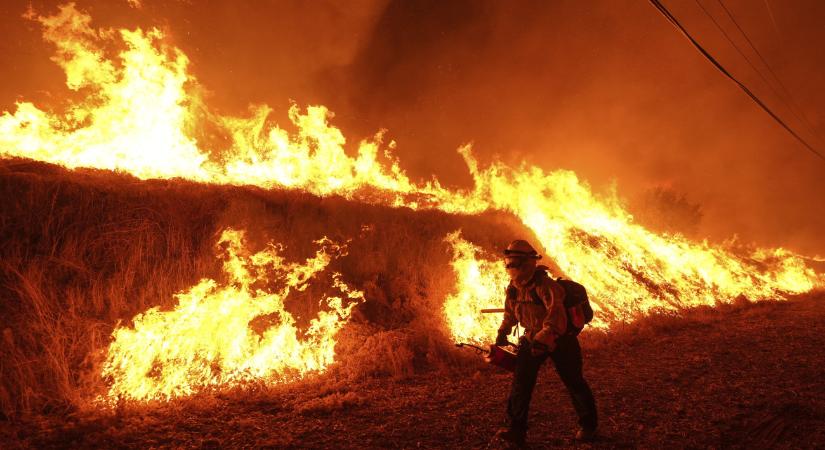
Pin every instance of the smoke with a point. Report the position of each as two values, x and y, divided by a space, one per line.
608 89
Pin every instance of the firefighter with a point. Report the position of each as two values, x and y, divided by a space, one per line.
536 302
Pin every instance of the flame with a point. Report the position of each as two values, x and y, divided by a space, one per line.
134 114
207 339
628 270
480 285
709 276
139 111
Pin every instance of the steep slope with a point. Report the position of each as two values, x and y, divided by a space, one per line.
82 252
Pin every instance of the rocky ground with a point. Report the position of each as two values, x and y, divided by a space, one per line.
744 376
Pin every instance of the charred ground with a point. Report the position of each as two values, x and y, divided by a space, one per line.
83 251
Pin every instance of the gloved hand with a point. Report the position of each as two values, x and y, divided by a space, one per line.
539 349
501 339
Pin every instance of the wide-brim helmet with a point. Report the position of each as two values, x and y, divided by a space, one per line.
521 249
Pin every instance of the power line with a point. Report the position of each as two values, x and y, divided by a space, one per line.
773 19
792 104
658 5
739 50
783 98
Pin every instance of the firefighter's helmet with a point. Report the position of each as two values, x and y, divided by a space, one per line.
521 248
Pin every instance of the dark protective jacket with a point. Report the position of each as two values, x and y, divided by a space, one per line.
538 306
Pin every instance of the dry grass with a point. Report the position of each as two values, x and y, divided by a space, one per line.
332 402
666 322
81 252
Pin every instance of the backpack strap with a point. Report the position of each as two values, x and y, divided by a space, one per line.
541 272
536 297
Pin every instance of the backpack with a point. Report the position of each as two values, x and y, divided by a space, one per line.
579 311
576 304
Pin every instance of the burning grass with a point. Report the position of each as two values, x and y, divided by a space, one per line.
83 252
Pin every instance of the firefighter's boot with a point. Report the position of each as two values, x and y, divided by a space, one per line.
586 434
511 437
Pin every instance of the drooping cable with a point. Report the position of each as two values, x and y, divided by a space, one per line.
747 59
672 19
789 99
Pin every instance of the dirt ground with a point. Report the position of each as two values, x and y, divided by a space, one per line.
745 376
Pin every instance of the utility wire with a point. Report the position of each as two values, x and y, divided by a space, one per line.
773 19
664 11
739 50
790 100
786 99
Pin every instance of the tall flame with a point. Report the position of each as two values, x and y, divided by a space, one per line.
208 339
135 111
140 113
480 285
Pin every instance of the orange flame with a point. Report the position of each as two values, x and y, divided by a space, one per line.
707 276
480 285
206 340
139 116
135 113
627 269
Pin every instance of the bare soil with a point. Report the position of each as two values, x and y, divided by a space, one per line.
743 376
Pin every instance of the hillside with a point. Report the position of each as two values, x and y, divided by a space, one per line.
84 251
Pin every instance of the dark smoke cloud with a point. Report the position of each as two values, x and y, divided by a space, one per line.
606 88
610 90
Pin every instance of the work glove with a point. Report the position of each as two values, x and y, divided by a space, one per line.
539 349
501 339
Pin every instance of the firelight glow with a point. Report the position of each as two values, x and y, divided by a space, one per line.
139 115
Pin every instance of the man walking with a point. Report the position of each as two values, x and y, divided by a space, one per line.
536 301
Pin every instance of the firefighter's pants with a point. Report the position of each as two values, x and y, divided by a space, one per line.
567 359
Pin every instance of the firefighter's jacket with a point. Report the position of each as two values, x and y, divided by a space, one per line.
538 306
